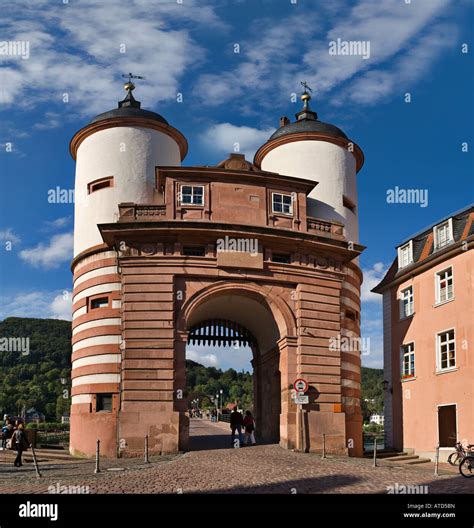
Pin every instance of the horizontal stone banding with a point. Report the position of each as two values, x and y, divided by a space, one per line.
109 330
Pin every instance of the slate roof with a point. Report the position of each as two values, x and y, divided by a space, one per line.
423 246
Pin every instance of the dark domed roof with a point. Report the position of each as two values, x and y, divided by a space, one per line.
129 107
306 121
308 125
128 111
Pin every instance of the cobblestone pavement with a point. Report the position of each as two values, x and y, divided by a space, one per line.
212 465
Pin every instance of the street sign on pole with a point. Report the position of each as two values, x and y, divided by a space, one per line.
300 385
301 398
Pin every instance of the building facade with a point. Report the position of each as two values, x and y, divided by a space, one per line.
428 315
241 252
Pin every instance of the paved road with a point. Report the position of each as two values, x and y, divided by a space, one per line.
214 466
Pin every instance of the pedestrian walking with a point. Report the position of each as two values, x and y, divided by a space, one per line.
236 422
20 444
249 428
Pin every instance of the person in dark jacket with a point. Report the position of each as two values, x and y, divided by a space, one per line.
249 428
236 422
20 443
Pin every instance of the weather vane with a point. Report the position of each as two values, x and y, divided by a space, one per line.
131 76
304 84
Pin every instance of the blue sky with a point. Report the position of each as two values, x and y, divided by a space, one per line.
78 50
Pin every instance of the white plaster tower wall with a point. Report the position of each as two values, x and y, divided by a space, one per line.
333 166
127 153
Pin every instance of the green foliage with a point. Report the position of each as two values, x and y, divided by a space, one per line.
205 382
34 379
372 392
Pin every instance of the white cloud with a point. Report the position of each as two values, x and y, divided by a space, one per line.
40 304
208 360
51 255
404 42
223 137
61 306
58 223
372 277
8 235
80 49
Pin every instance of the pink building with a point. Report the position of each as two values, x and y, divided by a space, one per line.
428 319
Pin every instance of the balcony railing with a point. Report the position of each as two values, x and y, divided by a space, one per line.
130 212
324 226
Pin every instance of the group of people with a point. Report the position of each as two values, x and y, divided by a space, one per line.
239 422
14 437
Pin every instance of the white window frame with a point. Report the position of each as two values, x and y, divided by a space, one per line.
438 286
403 303
405 351
450 238
408 245
290 213
180 196
439 368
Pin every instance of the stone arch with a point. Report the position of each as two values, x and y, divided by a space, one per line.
275 359
282 313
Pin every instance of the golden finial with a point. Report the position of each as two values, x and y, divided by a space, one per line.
128 86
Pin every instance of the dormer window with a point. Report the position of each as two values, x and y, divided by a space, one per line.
282 203
443 234
191 195
405 255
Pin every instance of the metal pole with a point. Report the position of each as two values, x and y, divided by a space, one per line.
436 471
324 446
38 474
375 451
146 450
97 455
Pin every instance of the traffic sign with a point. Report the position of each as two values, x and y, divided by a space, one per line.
301 399
300 385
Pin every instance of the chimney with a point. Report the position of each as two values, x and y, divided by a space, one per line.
284 121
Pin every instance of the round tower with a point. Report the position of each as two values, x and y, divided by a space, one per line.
116 155
309 148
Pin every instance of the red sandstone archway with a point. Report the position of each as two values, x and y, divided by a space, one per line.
273 324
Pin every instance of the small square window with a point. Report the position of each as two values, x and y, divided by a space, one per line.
98 302
193 251
102 183
282 203
281 258
104 403
192 195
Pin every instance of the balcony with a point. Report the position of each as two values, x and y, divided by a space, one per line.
325 227
131 212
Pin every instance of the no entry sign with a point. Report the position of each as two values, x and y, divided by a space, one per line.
300 385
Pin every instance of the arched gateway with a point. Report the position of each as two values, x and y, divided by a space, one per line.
162 251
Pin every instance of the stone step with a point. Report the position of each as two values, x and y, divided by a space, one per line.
384 454
407 459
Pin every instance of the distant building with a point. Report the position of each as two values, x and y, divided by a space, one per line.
377 419
428 338
32 415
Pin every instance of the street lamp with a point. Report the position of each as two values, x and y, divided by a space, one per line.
222 402
217 406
